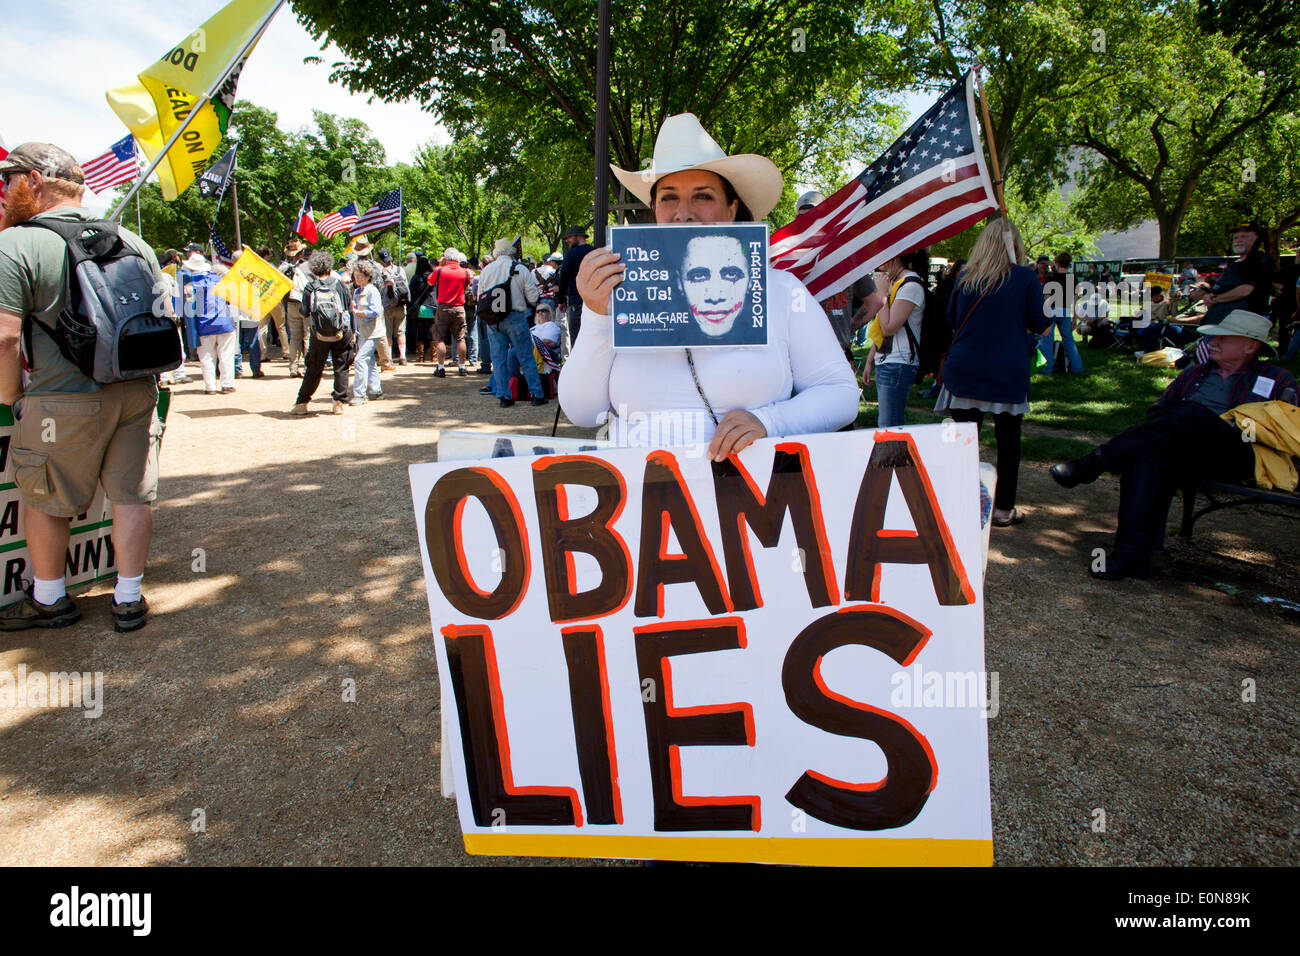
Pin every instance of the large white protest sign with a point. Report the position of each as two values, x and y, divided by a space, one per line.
778 658
90 543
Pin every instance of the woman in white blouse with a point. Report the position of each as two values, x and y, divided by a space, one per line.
797 384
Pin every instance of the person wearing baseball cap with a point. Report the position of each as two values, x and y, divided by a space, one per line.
1185 439
566 280
108 435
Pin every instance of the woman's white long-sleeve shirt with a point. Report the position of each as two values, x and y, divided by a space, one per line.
799 383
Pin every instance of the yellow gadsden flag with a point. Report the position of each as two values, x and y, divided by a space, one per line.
166 91
253 285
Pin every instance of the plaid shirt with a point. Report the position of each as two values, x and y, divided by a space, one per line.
1192 377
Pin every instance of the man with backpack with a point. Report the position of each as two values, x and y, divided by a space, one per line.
325 306
395 293
71 431
506 292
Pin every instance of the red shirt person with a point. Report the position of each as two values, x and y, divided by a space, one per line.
450 281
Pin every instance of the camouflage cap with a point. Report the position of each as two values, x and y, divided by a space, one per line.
45 158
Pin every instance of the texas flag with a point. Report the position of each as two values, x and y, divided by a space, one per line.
306 225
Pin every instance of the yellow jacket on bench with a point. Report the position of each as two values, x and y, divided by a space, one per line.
1275 427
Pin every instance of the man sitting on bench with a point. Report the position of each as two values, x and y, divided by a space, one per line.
1183 439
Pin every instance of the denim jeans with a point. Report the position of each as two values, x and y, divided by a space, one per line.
249 339
513 331
484 345
366 369
893 382
1073 360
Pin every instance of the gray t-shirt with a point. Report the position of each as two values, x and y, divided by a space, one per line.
33 282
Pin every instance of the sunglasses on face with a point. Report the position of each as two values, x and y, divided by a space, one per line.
7 178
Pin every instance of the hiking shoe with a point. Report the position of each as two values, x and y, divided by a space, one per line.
439 373
357 400
259 374
461 371
483 371
300 409
227 390
31 613
540 401
507 402
130 616
374 396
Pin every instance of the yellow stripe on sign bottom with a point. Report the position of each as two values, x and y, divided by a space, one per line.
809 852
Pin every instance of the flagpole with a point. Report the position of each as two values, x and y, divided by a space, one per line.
234 199
600 208
400 210
997 172
993 146
139 229
198 105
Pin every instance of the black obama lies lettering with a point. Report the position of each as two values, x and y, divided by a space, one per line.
442 526
666 503
898 797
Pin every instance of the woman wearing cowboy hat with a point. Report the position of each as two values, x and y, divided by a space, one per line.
798 383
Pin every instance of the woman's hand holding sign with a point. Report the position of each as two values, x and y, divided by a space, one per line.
600 272
738 429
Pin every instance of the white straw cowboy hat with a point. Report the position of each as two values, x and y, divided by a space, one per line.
1248 325
505 247
683 144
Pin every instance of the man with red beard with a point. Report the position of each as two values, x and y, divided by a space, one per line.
70 432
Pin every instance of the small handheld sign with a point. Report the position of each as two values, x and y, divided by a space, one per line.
691 286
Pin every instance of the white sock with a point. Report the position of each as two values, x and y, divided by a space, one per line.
48 592
440 366
127 590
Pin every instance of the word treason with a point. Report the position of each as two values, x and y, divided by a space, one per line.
667 504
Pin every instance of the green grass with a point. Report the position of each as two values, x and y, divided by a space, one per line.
1112 394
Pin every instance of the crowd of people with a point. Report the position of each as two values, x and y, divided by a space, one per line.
980 332
420 312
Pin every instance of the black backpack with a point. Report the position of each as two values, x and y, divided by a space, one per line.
494 303
114 327
330 320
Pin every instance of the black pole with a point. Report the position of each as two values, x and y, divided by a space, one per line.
601 207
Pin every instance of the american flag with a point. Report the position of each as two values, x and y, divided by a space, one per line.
383 213
337 222
220 251
118 165
931 184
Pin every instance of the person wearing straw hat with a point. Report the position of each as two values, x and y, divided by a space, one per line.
796 384
295 267
1184 439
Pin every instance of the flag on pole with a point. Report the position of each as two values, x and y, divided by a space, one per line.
306 226
931 184
252 285
119 164
3 153
217 177
164 93
382 214
220 251
337 222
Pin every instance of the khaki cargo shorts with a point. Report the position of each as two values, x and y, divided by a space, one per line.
449 323
65 443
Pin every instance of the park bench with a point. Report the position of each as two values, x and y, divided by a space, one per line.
1222 494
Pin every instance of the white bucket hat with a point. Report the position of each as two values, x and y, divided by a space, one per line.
683 144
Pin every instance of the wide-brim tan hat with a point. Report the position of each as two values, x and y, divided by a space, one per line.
505 246
683 144
362 246
1248 325
293 246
